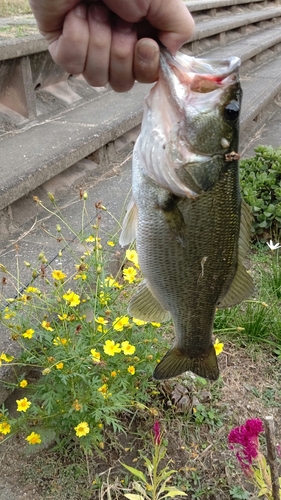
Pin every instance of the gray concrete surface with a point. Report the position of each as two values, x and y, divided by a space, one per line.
37 154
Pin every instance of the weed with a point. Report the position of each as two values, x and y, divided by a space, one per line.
238 493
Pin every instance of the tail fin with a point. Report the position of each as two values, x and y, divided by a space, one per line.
175 362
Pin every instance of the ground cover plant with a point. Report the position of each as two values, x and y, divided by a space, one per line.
89 397
14 7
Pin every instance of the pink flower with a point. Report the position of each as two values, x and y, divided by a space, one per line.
157 433
247 438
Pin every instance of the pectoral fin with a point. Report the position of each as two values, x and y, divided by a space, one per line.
241 288
128 233
173 217
145 306
176 362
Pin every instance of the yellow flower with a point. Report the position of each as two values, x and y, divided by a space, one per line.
46 326
71 298
6 358
110 282
23 404
95 356
131 370
33 438
63 316
58 275
155 324
82 429
218 347
113 374
9 315
110 348
101 320
139 322
104 298
127 348
90 239
76 405
28 334
60 340
104 391
102 329
59 366
111 243
23 383
132 256
129 274
5 428
120 322
79 276
33 289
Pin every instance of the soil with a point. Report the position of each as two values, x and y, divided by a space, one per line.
249 387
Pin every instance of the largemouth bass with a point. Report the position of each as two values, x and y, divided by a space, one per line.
190 224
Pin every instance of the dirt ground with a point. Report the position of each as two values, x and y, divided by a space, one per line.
249 387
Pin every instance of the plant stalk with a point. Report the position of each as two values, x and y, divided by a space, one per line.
271 455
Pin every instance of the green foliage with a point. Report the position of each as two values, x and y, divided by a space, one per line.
260 179
94 360
153 486
238 493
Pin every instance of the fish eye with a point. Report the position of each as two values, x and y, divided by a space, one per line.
231 111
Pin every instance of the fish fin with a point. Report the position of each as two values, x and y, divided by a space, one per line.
128 233
173 217
146 307
241 288
245 230
176 362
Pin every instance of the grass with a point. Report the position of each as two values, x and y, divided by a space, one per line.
14 7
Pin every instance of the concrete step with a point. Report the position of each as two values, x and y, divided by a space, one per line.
33 156
51 120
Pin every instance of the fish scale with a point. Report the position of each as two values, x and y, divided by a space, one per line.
187 204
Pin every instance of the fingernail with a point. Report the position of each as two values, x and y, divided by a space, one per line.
147 51
81 10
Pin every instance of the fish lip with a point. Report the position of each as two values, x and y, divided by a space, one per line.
221 68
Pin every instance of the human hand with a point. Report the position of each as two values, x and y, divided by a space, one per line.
112 41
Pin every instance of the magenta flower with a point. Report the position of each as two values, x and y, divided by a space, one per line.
245 439
157 433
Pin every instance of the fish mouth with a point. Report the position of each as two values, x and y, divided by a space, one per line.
189 74
188 70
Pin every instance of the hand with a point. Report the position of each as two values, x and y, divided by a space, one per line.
112 41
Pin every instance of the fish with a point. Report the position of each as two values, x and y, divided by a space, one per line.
186 214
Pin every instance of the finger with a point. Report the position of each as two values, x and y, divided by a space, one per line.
175 29
146 60
50 14
171 18
97 64
124 38
70 50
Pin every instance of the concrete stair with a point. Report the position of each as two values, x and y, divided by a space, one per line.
49 120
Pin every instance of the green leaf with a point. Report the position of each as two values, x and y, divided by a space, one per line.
132 496
136 472
173 492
